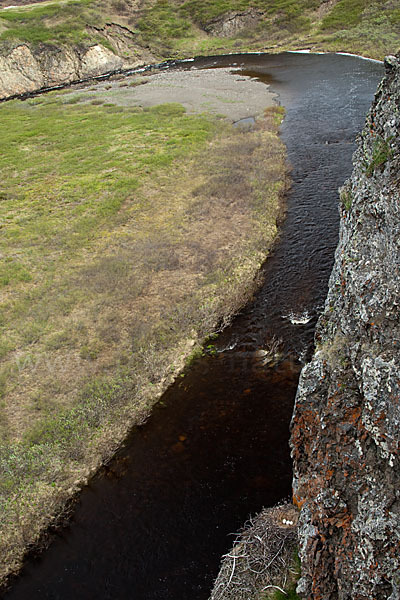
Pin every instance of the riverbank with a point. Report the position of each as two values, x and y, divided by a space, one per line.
133 231
49 44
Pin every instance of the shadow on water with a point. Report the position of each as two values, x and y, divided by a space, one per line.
153 525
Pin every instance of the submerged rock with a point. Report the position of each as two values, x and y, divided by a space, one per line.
346 423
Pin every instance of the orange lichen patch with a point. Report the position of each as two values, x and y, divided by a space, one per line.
362 432
342 520
316 595
306 420
354 415
381 417
334 396
299 502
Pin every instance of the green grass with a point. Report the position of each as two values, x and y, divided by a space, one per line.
361 27
381 152
289 593
346 198
62 149
394 16
70 175
289 15
163 22
167 24
345 14
52 23
179 28
116 252
173 28
204 12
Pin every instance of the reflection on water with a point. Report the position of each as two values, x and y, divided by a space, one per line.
153 525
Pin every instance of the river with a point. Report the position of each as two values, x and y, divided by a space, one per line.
154 523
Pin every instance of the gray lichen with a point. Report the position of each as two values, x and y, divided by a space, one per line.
345 429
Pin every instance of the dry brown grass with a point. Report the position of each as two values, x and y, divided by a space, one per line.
261 561
126 312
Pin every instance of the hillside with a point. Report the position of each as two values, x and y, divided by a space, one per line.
50 43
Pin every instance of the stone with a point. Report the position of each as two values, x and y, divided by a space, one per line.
26 68
345 428
232 23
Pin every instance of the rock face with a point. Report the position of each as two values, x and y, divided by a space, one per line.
346 424
24 68
232 23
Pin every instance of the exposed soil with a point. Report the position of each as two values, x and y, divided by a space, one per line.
213 91
8 3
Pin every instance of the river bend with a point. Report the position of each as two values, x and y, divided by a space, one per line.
153 525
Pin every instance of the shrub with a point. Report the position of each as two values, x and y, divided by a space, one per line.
381 152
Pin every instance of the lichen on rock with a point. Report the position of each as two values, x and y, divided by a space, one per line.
346 423
26 68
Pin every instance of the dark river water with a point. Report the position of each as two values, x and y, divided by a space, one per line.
154 524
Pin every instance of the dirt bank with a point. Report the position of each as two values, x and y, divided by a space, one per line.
19 3
214 91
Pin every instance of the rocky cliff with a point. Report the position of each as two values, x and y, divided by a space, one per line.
26 68
346 424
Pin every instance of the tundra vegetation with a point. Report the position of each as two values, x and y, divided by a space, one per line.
129 234
179 28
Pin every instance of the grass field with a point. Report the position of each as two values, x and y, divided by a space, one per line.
128 235
55 22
